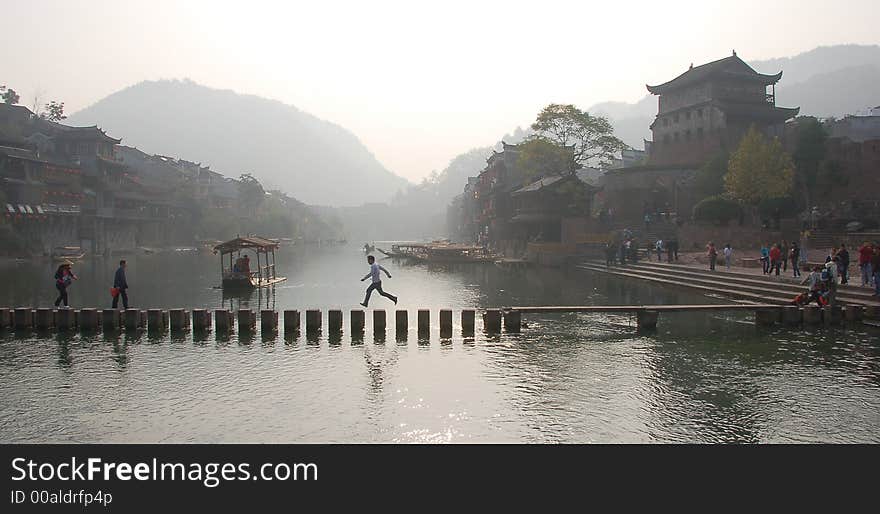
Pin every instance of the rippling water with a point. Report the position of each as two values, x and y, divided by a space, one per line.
565 378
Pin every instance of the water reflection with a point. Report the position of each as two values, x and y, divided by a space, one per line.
565 378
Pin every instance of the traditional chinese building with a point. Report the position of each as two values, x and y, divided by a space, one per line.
709 108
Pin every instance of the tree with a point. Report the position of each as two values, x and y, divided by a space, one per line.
250 192
9 95
758 170
591 137
710 177
809 152
54 112
717 209
540 156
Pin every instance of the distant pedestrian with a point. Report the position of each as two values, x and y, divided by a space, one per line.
765 258
63 277
784 249
794 255
674 245
775 259
865 253
843 263
875 266
713 255
610 254
728 256
658 246
830 275
376 281
121 286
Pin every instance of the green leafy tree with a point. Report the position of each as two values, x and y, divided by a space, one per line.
809 152
9 95
591 138
54 112
539 157
758 170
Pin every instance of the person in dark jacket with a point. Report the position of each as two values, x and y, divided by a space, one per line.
63 277
120 283
843 264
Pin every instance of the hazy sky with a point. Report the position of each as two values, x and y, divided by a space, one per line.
417 82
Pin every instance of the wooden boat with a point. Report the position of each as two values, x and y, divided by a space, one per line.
439 252
457 253
68 253
238 274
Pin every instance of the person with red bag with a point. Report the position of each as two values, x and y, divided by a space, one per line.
120 285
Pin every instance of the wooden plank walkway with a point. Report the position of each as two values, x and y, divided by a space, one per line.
638 308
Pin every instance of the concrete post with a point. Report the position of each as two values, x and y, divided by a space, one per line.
313 321
812 315
401 322
65 319
201 320
179 319
854 312
492 321
832 315
23 318
767 316
291 322
334 321
357 321
132 319
379 322
792 315
646 320
467 322
445 323
512 321
223 320
44 318
88 320
5 317
111 320
247 321
424 323
268 322
157 320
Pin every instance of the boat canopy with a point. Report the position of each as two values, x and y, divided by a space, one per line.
259 244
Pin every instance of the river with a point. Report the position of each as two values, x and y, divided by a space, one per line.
566 378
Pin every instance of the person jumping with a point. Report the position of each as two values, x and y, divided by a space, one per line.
377 281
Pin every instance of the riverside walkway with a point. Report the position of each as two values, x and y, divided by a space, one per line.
740 284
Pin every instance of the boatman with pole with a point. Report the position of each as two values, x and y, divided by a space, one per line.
377 281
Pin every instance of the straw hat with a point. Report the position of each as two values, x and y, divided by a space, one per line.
67 264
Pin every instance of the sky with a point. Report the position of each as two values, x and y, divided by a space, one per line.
417 82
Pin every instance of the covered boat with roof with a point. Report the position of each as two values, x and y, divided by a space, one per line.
237 271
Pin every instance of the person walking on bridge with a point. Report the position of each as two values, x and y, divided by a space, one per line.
775 259
121 286
728 256
63 278
377 281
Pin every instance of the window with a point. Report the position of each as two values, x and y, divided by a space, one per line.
675 118
700 133
699 113
687 115
687 135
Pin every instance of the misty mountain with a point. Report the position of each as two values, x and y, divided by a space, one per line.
313 160
824 82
